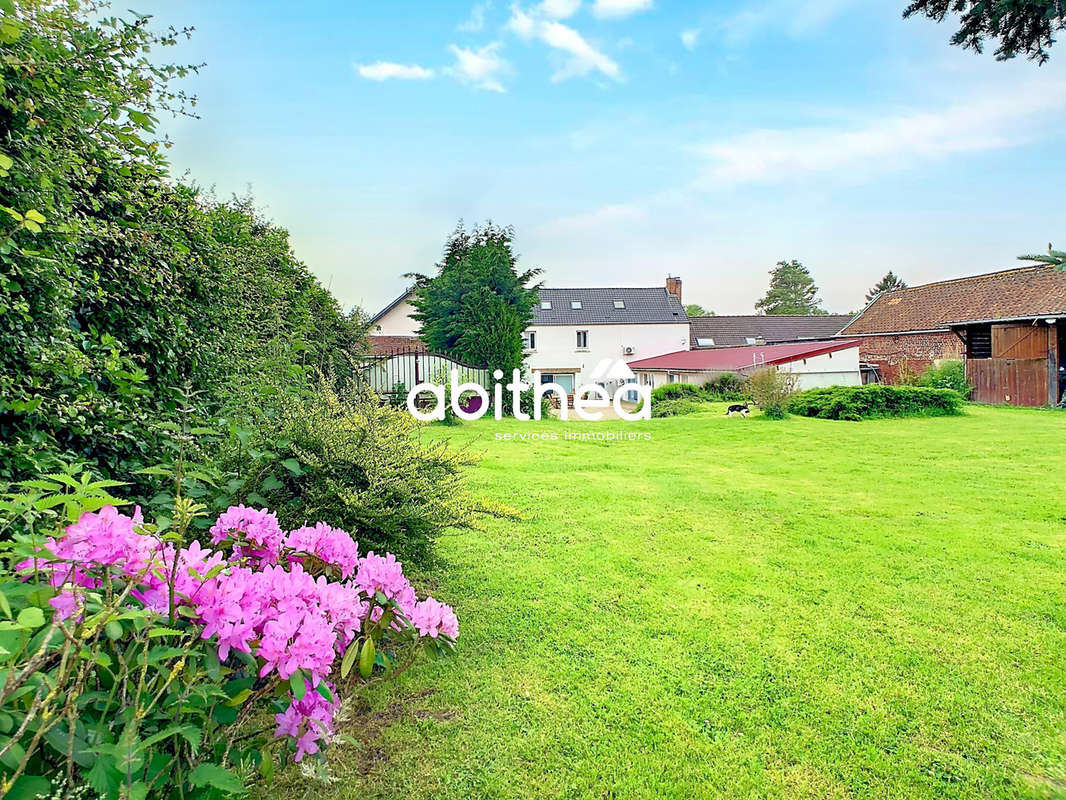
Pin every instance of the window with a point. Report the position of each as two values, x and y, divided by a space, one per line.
749 339
704 342
582 340
546 305
674 378
979 341
619 304
529 340
575 304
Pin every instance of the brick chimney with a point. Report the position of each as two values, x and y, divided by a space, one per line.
673 286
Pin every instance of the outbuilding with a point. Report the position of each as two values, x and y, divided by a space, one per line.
815 364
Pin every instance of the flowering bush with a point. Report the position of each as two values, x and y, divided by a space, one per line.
284 615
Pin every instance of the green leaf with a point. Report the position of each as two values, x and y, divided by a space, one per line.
293 466
298 684
218 777
29 787
324 691
34 215
240 697
271 483
31 617
5 160
366 659
113 629
349 659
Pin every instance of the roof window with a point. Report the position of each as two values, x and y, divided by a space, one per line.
546 305
575 304
619 304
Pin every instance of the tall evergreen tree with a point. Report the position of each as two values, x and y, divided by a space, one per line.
477 305
889 283
792 291
1019 26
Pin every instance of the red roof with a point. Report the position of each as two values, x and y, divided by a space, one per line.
385 345
1022 292
733 359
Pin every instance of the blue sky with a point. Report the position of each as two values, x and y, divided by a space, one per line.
626 139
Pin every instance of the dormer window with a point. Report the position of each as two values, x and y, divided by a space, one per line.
575 304
619 304
545 305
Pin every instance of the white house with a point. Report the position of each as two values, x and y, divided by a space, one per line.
815 364
574 330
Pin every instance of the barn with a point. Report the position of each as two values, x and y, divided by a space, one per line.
1009 326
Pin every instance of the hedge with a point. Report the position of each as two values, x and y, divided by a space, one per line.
875 401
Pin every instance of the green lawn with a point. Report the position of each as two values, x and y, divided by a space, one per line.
740 608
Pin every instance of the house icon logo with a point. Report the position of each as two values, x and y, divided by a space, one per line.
609 369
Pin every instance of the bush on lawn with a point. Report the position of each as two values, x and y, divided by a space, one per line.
339 454
676 391
770 389
948 374
727 386
676 408
874 401
142 666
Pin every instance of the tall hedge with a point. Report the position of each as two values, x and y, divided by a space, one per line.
124 294
875 401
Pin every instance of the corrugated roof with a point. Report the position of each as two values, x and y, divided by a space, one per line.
641 306
730 331
733 359
1021 292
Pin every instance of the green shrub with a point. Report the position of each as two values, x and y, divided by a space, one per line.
339 454
770 389
675 407
676 391
528 401
874 401
726 386
948 374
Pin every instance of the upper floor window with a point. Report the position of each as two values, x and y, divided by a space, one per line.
529 340
582 340
546 305
575 304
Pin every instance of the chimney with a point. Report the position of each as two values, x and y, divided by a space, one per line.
673 286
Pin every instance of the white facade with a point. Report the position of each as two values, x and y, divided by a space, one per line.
555 350
396 321
555 354
838 368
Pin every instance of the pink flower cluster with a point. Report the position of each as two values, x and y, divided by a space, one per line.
308 720
263 601
329 545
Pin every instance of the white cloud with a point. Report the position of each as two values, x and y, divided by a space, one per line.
476 21
615 9
386 70
690 38
559 9
991 121
480 67
794 17
582 59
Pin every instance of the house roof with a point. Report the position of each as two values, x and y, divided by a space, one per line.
383 345
406 294
641 306
1023 292
733 359
730 331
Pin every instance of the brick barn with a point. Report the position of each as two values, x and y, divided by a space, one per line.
1008 325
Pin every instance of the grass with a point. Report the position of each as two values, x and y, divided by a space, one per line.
741 608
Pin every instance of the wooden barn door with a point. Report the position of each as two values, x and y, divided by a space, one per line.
1017 373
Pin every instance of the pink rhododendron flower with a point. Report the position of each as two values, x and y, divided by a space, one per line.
385 574
330 545
260 600
308 720
259 528
432 619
